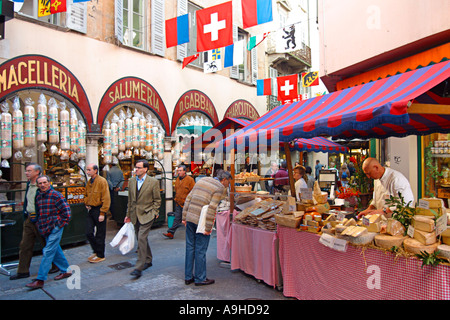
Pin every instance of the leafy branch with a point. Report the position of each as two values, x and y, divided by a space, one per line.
429 259
403 213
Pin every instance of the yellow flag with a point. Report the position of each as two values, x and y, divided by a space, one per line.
44 8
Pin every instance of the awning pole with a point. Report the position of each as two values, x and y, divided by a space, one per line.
287 152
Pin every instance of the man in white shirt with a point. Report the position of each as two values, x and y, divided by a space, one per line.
387 182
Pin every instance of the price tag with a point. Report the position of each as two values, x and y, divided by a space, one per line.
306 194
365 221
333 243
340 216
340 245
410 231
424 204
441 224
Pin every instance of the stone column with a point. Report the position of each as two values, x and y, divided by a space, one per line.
167 163
92 147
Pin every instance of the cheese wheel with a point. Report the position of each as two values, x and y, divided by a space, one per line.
29 136
362 239
415 247
6 135
444 251
387 242
425 238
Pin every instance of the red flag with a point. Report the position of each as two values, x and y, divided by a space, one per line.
215 27
287 87
58 6
189 59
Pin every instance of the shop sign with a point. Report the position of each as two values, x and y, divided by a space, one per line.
133 90
194 101
40 72
242 109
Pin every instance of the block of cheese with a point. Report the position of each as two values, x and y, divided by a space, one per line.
386 241
347 230
394 228
362 239
373 218
350 222
374 227
446 236
415 247
433 203
340 228
432 212
358 231
444 251
426 238
423 223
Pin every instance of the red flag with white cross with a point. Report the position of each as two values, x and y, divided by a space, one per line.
287 87
215 27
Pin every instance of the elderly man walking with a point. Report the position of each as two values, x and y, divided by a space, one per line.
52 215
206 192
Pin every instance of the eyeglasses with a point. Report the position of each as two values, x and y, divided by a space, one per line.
139 167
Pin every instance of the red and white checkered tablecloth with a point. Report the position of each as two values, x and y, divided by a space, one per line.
312 271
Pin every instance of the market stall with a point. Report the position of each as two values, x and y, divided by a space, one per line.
378 109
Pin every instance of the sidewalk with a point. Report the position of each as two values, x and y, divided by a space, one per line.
111 280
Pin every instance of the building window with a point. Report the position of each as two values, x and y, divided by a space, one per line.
134 34
29 8
192 45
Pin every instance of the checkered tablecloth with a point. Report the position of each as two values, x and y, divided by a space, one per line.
312 271
255 251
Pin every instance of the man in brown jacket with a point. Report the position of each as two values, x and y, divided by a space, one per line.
207 192
183 186
144 200
97 200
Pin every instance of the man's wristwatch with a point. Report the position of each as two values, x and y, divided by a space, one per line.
384 210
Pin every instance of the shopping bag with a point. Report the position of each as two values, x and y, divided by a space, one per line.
125 238
202 219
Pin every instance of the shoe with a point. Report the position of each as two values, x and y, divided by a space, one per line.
92 256
188 282
147 265
168 235
136 273
19 276
38 284
54 269
63 275
96 259
205 283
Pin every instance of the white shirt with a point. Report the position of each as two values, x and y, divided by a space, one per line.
390 184
300 184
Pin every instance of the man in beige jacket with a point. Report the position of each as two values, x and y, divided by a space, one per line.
144 200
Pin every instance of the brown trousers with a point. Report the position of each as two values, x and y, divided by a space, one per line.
29 236
143 248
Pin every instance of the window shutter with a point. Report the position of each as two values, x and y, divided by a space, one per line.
76 17
254 58
182 9
234 70
118 18
157 20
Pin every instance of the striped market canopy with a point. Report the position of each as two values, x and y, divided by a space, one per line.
378 109
317 144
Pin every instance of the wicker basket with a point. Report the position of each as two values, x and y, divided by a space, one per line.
288 220
243 188
239 180
253 179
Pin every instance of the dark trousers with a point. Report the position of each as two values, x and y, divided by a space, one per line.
96 232
29 236
143 248
177 219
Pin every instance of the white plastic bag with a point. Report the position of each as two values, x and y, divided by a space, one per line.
125 238
202 220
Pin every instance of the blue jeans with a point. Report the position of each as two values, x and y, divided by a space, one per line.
196 246
177 221
52 252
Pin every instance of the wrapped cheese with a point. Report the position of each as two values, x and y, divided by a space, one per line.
395 228
121 130
29 136
142 131
82 140
17 125
6 132
135 138
107 143
65 127
149 135
128 131
53 118
41 120
74 133
114 135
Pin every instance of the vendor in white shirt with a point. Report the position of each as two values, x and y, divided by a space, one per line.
387 182
301 179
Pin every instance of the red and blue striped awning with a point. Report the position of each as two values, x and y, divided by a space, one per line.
378 109
317 144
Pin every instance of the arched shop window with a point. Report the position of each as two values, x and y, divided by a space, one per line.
132 131
40 126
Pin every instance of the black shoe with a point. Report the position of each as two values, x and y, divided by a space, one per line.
205 283
136 273
19 276
188 282
147 265
54 269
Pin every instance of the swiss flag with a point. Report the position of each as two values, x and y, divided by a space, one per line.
287 87
215 27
